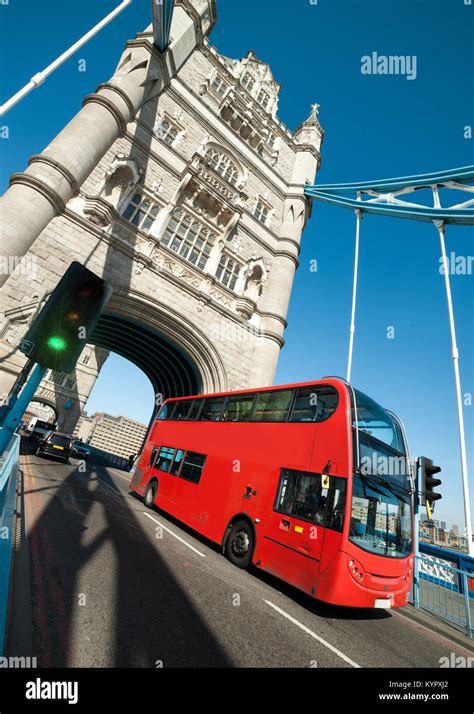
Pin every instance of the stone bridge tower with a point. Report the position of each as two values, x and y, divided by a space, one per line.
178 183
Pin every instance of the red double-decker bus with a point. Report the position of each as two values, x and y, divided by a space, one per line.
310 482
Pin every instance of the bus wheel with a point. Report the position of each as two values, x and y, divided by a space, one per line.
239 544
150 494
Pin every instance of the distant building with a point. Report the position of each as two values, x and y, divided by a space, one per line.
455 528
84 427
115 434
433 533
442 537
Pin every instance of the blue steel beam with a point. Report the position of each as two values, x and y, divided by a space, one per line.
162 11
374 201
460 216
463 175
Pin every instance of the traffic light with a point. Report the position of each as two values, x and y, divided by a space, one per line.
428 484
59 333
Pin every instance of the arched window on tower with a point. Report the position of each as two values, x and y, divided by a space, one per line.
247 81
263 99
141 212
167 131
228 271
222 164
188 237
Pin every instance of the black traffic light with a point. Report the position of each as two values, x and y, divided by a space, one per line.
428 483
61 330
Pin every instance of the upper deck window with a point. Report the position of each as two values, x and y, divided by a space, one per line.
195 410
238 408
273 406
212 408
181 410
314 403
165 411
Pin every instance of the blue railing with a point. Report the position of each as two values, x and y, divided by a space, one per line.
445 585
462 561
8 476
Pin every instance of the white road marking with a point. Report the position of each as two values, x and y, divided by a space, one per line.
173 534
313 634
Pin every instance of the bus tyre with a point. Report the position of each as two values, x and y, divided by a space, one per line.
150 494
239 544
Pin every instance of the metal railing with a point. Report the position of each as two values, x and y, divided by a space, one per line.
445 590
8 477
107 459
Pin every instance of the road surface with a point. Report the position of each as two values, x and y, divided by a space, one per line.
116 585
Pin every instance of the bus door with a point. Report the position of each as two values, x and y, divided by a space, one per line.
294 536
335 495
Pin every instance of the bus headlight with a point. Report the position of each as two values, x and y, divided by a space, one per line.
356 570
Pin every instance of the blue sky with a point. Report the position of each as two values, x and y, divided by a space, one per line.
375 126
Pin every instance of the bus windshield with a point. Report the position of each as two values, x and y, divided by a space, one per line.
379 447
380 517
370 418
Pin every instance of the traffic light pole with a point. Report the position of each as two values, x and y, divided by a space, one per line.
15 411
416 537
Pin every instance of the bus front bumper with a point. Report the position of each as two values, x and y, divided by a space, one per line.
340 585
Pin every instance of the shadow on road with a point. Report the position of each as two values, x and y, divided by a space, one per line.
153 619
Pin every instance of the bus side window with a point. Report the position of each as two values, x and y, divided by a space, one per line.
165 457
302 495
192 467
177 461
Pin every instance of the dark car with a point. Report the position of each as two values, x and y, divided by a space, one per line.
56 444
81 450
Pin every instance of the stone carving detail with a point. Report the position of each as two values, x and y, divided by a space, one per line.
245 307
99 212
207 175
181 272
97 218
143 246
255 277
221 297
203 202
121 173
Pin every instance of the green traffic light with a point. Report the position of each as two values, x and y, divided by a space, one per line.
57 343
